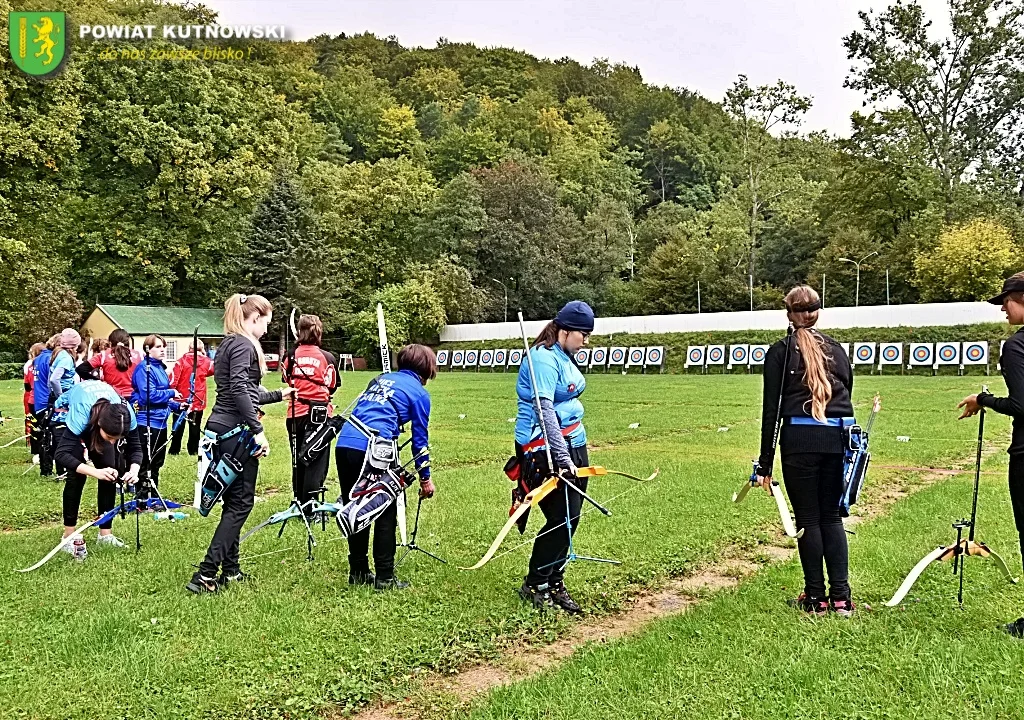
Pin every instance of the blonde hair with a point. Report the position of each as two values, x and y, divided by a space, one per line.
803 304
237 309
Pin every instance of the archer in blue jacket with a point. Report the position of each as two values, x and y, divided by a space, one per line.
154 401
41 405
389 402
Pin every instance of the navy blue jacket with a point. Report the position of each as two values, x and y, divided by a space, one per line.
41 383
154 412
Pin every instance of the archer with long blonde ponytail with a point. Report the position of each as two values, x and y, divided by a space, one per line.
808 381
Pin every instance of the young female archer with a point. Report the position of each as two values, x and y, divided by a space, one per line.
811 374
237 371
42 405
183 383
117 363
154 400
100 442
559 386
313 373
1011 364
389 402
62 378
31 425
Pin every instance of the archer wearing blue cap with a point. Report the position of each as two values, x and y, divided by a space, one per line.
559 386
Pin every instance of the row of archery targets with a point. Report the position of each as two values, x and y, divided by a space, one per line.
870 354
587 359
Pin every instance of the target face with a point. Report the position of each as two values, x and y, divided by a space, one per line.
486 357
500 357
864 353
715 354
922 354
758 354
696 355
636 356
947 353
738 354
890 353
617 357
515 357
458 357
581 357
974 352
471 356
654 356
600 356
442 357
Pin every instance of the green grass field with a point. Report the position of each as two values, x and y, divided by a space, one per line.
118 636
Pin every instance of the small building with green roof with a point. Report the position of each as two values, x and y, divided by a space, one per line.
174 324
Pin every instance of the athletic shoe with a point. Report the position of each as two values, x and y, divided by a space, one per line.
109 540
391 583
226 579
361 578
1016 628
76 550
843 608
812 606
200 584
35 460
561 597
539 598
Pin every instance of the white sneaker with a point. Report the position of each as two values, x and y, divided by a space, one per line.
35 459
110 540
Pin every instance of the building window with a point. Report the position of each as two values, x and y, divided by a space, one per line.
172 351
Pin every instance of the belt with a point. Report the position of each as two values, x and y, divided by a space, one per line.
230 433
830 422
539 442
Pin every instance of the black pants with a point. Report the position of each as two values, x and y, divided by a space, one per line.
350 462
1016 477
35 436
238 501
551 548
814 483
307 480
56 435
106 492
154 453
194 423
46 446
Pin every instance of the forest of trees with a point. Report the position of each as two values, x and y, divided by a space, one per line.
341 171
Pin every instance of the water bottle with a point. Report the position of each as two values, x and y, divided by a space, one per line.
80 551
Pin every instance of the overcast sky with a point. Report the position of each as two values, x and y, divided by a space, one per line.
701 45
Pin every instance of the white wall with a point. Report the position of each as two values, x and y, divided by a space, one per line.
964 313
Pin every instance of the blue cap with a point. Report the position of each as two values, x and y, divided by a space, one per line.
576 315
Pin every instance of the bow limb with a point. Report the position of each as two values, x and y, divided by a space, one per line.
276 519
531 500
915 573
784 515
594 470
291 324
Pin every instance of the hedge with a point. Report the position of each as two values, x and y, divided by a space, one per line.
676 343
12 370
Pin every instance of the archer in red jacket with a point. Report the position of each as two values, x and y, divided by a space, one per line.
182 382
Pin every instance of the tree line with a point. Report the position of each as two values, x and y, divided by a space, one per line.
347 170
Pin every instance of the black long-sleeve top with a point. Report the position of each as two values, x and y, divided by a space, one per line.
236 372
796 401
71 451
1011 365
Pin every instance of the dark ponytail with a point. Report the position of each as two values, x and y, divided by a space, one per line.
114 420
548 336
119 342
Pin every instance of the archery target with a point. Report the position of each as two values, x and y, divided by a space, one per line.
975 353
582 357
486 358
863 353
458 358
891 354
695 355
617 356
654 355
599 357
442 358
471 357
636 356
947 353
922 353
716 354
515 357
500 357
738 354
757 354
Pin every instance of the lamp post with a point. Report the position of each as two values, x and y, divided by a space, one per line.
506 295
887 286
857 263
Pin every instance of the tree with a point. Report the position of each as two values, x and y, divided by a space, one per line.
965 92
413 312
969 262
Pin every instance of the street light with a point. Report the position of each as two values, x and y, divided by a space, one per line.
857 263
506 295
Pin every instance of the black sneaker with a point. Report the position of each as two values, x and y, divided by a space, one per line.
561 597
361 578
539 597
1016 628
200 584
842 608
391 583
226 579
812 606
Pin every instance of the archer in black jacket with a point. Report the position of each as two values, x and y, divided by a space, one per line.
815 387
